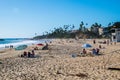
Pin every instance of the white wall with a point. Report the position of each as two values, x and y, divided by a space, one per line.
118 36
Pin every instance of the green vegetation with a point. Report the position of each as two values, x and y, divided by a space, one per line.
67 31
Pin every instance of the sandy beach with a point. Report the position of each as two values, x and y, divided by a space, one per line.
57 63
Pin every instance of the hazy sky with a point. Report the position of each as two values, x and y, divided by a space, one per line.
24 18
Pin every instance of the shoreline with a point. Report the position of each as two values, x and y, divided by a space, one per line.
25 42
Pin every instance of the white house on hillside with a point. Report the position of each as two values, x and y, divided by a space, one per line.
116 35
97 30
100 30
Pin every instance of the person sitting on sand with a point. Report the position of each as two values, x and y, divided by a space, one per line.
93 51
21 55
29 54
84 51
25 54
45 47
104 42
33 53
100 46
97 51
36 48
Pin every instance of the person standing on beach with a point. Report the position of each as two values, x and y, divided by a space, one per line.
107 42
94 41
11 46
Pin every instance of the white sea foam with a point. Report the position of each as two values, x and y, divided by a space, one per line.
26 42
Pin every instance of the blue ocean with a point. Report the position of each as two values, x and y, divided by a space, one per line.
11 40
19 41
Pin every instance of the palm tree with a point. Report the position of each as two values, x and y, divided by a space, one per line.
116 24
81 26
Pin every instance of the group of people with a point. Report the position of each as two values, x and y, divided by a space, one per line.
108 42
94 51
11 46
28 54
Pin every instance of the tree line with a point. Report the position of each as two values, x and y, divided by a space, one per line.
66 31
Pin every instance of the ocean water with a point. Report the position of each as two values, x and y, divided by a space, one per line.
19 41
11 40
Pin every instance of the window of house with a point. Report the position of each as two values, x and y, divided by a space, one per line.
114 37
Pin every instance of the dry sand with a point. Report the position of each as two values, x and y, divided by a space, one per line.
58 64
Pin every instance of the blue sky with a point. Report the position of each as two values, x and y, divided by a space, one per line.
24 18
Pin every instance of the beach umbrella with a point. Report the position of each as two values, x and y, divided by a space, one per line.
86 46
40 44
